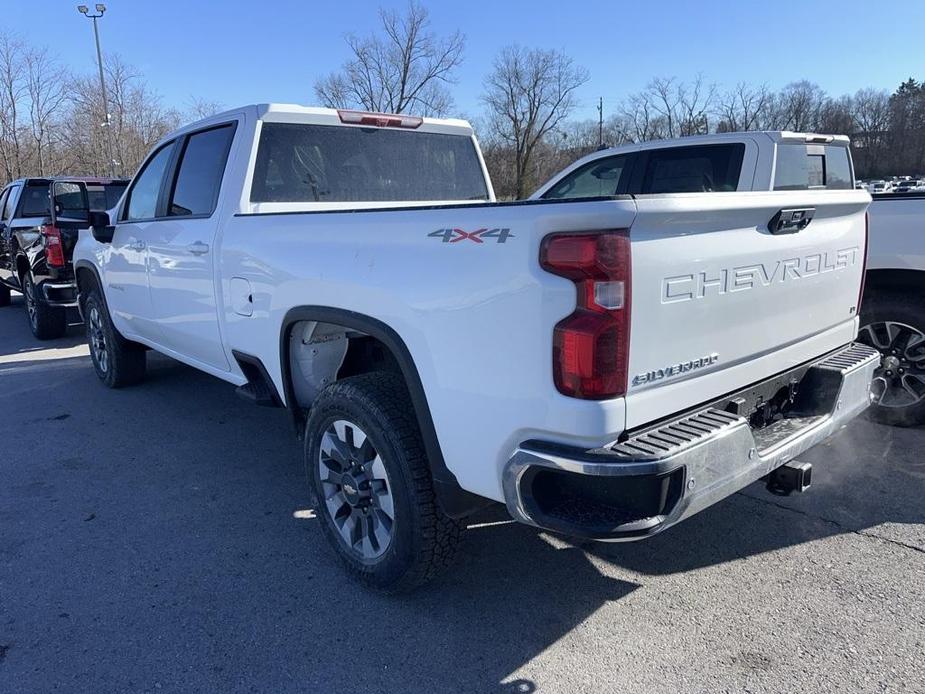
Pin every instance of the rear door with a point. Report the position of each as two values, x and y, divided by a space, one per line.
181 255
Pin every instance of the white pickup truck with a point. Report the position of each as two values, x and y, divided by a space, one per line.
893 311
605 367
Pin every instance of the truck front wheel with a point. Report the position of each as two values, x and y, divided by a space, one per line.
118 362
894 325
374 493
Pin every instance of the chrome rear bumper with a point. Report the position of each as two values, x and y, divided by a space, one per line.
654 479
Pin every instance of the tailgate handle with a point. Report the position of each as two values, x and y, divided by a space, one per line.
792 220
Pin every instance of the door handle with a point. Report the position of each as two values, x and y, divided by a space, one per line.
137 245
791 221
198 248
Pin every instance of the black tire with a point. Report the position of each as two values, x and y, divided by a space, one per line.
4 296
118 362
423 539
882 315
47 322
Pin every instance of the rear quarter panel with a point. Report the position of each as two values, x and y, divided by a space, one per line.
477 318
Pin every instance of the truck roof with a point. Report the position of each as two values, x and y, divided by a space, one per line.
316 115
94 180
776 136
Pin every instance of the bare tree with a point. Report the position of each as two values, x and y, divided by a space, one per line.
46 83
406 69
199 108
744 108
695 102
12 91
139 120
528 95
799 106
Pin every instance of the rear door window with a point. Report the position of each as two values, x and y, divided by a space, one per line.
805 167
199 176
693 169
599 178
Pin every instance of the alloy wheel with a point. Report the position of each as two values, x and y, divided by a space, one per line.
97 339
357 491
900 379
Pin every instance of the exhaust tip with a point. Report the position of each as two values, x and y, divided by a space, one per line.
789 478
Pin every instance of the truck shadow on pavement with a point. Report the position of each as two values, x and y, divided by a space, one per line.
160 537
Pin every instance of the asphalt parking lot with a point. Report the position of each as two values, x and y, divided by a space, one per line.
159 539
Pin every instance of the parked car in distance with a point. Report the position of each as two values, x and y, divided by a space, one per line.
35 256
880 186
907 186
893 310
604 365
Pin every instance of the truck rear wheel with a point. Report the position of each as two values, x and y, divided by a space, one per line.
894 325
374 493
47 322
118 362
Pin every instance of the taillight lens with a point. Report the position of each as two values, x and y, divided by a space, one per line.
591 346
54 248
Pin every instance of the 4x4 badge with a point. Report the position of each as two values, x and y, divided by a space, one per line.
455 235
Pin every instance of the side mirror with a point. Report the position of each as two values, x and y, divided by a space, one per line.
70 205
101 227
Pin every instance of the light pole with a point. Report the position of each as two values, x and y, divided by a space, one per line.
85 11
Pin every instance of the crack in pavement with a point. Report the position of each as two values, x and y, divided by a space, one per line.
840 526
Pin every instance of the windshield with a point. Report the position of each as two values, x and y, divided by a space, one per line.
322 163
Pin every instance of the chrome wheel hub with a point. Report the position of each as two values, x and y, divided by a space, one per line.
357 490
900 380
97 339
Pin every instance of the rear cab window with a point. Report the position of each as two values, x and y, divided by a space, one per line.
105 196
812 167
34 200
299 162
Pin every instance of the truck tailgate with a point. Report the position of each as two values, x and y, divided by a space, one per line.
720 302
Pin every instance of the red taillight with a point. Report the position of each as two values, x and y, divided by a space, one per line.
54 249
379 120
591 346
864 261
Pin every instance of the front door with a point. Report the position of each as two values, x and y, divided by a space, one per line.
126 280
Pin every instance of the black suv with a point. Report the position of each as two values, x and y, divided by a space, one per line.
35 256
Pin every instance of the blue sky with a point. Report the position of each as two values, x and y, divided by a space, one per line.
235 52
